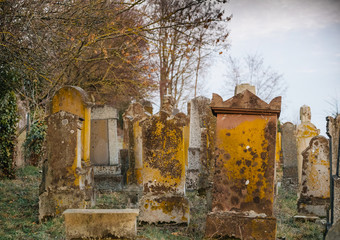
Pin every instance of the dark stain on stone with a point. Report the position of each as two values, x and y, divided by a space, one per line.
248 163
235 200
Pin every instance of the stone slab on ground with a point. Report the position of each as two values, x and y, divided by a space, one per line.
240 226
100 223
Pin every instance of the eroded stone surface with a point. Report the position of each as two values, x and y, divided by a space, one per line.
67 179
245 146
164 170
245 86
315 187
289 152
101 223
133 142
201 121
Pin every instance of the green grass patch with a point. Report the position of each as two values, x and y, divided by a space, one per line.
20 209
287 227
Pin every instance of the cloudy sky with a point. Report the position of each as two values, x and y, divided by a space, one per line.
299 39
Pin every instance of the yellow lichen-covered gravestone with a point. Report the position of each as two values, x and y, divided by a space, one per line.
315 187
75 100
243 190
67 177
305 131
164 170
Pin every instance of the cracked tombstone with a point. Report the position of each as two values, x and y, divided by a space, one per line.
67 173
333 131
305 131
243 188
163 172
289 152
315 188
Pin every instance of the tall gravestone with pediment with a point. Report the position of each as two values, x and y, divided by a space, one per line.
67 173
243 187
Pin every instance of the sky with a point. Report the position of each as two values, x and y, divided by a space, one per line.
297 38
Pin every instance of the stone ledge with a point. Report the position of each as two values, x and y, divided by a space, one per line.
100 223
220 225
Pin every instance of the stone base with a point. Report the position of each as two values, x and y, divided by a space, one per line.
192 179
313 206
164 209
236 225
336 207
100 223
53 203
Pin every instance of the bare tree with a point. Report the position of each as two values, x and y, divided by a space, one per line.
183 35
251 69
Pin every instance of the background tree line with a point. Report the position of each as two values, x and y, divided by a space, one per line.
118 51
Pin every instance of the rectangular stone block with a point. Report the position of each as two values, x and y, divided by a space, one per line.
336 206
239 226
100 223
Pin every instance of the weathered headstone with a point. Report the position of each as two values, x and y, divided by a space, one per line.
105 149
315 188
67 180
289 152
305 131
67 173
104 142
200 118
243 195
164 169
333 131
75 100
133 142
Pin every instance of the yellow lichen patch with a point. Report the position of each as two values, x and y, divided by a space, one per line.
139 176
245 157
186 134
164 159
278 147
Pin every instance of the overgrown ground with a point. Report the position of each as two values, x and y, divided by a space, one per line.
19 214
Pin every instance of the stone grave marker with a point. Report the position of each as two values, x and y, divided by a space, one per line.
243 187
289 152
163 172
305 131
67 180
333 131
315 187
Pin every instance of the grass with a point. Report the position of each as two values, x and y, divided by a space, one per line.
287 228
19 209
19 214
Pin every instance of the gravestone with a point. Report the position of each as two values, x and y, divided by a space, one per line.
75 100
67 180
333 132
133 142
289 152
200 118
105 149
315 187
243 190
305 131
163 172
